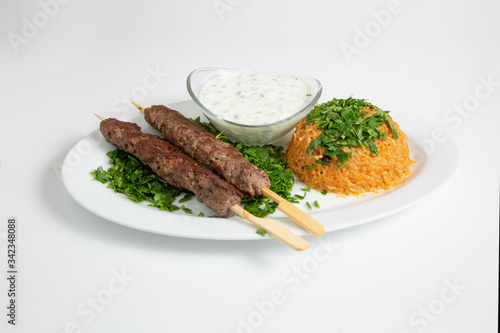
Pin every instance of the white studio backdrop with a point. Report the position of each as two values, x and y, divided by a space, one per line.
431 268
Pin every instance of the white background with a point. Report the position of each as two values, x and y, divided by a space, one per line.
431 268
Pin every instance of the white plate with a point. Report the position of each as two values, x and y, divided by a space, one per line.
437 159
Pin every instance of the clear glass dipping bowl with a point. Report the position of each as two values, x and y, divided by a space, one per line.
248 134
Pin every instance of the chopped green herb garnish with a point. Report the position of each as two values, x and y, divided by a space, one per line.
324 192
316 204
307 189
100 175
311 167
201 214
186 197
300 197
138 182
321 162
186 210
345 124
308 205
261 232
211 128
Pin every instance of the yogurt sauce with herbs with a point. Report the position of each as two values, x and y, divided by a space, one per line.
255 98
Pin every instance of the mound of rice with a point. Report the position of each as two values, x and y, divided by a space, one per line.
364 172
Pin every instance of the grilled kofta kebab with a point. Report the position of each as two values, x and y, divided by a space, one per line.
202 145
222 158
172 165
178 169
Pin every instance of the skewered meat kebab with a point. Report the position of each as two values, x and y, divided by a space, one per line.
172 165
180 170
202 145
222 158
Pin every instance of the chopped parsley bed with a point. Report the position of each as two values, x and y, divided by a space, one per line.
138 182
344 123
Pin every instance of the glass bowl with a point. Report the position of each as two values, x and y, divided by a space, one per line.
249 134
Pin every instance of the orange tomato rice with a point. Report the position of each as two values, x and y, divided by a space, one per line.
364 172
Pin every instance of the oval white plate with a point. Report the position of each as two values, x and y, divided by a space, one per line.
436 162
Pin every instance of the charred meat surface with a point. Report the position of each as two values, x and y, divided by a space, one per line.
203 146
172 165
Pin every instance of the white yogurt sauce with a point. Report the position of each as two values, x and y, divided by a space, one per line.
255 98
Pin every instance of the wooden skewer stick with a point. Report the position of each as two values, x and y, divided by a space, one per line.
100 117
274 229
141 108
297 215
